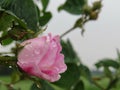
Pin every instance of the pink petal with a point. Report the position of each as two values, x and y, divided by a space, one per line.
50 56
60 64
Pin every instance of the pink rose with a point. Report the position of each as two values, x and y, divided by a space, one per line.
41 57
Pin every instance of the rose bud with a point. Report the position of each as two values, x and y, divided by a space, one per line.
42 57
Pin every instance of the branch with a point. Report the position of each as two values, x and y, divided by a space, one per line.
8 60
79 23
68 31
112 83
98 85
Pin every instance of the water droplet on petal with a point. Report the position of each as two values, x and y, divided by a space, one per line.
57 69
20 59
36 52
54 45
30 47
26 55
48 40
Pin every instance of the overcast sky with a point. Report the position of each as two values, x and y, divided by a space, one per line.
101 38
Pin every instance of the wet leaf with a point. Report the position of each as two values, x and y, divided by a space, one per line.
73 6
69 78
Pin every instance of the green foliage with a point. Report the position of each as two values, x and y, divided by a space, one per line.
107 63
70 54
112 75
5 20
73 6
6 41
15 77
108 72
79 86
44 86
24 9
96 5
69 78
85 72
34 87
44 4
4 71
45 18
28 11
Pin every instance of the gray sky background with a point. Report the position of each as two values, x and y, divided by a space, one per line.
101 38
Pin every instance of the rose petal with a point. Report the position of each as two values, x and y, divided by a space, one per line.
41 57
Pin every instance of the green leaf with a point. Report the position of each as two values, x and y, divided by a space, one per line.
69 52
44 4
24 9
107 63
107 72
43 20
7 18
17 33
79 86
73 6
79 23
70 77
7 41
44 86
15 77
5 21
85 72
34 87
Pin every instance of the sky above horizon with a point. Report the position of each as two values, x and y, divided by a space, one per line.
101 38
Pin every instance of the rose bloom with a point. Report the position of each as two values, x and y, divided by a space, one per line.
41 57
